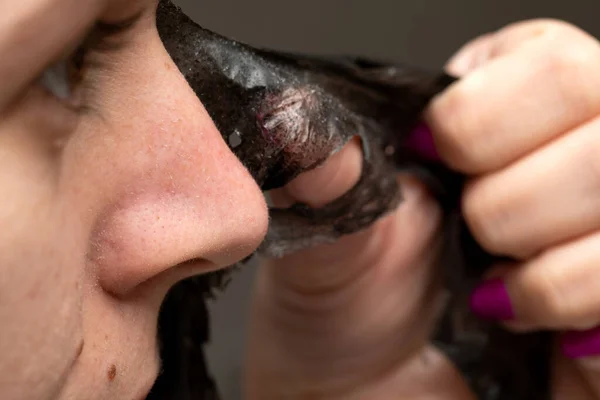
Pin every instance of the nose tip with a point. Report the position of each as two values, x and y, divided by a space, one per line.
196 201
238 219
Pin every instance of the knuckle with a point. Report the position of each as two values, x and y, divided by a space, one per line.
549 28
590 160
459 126
485 217
551 25
571 59
562 58
564 28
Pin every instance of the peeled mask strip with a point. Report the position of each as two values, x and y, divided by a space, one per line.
283 114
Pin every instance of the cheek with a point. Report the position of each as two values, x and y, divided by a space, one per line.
40 297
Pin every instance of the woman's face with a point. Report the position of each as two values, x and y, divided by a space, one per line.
108 197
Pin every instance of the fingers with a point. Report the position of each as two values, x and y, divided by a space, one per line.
333 313
521 122
34 34
399 242
539 81
559 289
546 198
524 122
330 181
392 257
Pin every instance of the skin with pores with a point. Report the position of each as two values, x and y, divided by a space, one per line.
95 232
105 204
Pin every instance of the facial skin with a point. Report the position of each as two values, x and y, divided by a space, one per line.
109 198
106 206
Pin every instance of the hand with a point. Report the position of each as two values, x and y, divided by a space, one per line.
352 320
524 123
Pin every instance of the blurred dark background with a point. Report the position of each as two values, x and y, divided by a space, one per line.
425 32
420 32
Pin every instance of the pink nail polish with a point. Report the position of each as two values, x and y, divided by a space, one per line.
578 344
421 140
491 301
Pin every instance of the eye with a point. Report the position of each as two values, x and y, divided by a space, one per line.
62 78
56 80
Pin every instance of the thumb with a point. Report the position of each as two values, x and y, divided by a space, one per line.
324 184
338 315
402 230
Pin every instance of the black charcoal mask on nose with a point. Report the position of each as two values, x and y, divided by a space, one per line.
284 114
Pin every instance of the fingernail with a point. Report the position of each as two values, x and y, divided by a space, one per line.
421 140
491 301
578 344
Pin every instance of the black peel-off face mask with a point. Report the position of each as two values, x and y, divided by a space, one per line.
284 114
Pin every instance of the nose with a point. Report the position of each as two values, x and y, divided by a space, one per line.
176 193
